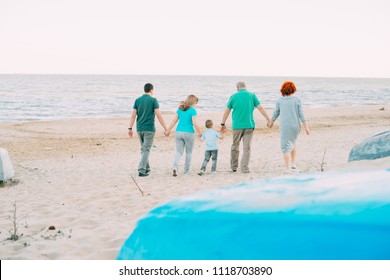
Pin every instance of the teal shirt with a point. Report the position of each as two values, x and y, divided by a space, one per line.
243 103
185 120
145 106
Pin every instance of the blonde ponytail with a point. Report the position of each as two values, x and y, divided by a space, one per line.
191 100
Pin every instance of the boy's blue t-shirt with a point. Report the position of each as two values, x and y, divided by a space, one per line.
211 136
185 120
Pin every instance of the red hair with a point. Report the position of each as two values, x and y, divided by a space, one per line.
288 88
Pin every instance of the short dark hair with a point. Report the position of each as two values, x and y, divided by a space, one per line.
209 124
148 87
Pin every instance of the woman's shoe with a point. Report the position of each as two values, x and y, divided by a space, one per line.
293 166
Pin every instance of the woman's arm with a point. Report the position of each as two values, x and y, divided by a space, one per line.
173 123
196 126
306 126
302 117
276 113
300 112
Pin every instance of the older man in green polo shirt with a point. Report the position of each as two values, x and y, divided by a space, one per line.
243 104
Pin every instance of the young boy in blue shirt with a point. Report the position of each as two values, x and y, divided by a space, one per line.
210 136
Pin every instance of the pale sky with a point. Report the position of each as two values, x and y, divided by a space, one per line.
330 38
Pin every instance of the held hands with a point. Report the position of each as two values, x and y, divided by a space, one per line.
166 133
270 124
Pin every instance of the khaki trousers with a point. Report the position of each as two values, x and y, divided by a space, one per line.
246 135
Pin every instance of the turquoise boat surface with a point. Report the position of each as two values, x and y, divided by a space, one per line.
324 216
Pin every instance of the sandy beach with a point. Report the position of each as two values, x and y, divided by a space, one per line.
80 176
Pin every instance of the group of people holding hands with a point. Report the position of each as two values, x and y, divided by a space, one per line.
288 109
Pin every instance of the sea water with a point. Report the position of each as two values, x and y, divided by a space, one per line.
51 97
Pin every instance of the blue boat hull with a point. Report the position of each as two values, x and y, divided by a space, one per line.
327 216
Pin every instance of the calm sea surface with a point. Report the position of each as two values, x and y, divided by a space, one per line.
49 97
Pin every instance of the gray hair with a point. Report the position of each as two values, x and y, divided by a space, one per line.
241 85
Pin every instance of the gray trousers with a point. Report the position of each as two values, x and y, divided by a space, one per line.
184 140
246 135
146 139
214 156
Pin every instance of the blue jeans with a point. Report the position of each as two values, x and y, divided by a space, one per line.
146 139
214 156
184 140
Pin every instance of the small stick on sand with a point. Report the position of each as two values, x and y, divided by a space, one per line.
323 162
135 182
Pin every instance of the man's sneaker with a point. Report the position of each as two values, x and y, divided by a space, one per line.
201 173
143 174
174 173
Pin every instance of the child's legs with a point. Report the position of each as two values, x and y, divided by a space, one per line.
179 149
207 155
189 144
214 156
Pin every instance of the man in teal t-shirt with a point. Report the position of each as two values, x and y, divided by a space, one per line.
145 109
242 103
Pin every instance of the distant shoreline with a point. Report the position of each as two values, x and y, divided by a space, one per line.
385 106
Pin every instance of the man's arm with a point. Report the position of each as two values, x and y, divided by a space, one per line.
224 118
265 114
196 126
160 119
132 120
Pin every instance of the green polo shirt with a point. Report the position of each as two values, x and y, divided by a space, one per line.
145 106
243 103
